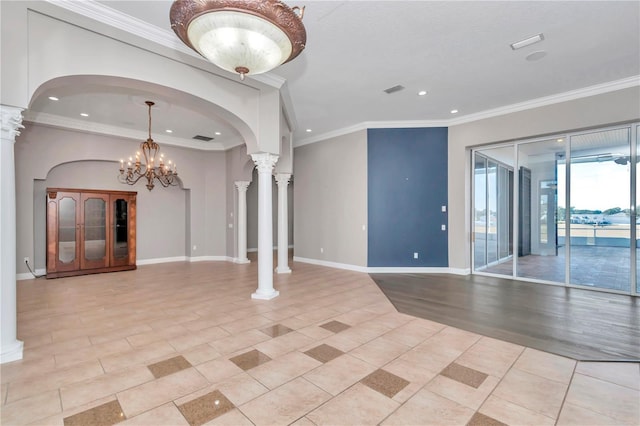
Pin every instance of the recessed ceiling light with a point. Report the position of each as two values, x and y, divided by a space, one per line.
422 93
169 131
454 111
536 55
559 140
53 98
527 41
309 130
217 133
84 114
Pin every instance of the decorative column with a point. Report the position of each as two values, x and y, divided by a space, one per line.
265 162
282 179
10 346
242 222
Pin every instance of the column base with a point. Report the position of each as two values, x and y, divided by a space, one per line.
12 352
285 270
268 296
241 261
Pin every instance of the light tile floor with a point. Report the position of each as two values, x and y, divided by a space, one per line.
184 344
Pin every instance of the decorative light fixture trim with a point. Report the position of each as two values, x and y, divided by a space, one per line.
166 174
242 36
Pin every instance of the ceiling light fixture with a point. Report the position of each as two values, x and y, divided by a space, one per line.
84 114
166 174
242 36
535 56
53 98
169 131
527 41
454 111
309 130
422 93
217 133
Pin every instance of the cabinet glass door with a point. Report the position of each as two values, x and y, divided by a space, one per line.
67 244
95 237
120 235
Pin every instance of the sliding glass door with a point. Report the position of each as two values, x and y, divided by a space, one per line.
541 225
493 210
600 200
560 210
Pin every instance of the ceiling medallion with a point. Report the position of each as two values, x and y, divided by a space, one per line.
241 36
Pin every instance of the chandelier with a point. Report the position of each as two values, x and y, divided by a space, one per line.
166 174
241 36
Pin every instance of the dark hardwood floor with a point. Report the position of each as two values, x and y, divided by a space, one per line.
580 324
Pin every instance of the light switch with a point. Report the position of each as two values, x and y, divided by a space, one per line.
444 209
443 227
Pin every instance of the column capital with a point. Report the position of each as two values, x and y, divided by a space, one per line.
242 185
283 178
11 122
264 161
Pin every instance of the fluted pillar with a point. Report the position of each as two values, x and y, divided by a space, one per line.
265 163
282 179
11 347
242 222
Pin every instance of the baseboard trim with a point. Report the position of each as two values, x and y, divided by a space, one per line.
255 249
210 259
407 270
384 270
331 264
26 276
141 262
346 266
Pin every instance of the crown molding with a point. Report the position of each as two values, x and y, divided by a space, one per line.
137 27
371 125
585 92
105 129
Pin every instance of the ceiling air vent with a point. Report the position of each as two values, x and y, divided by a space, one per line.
393 89
203 138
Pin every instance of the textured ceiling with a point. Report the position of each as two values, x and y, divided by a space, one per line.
457 51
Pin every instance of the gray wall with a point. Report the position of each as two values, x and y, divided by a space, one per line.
330 200
160 213
175 219
593 111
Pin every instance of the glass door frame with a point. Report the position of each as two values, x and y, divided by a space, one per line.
634 141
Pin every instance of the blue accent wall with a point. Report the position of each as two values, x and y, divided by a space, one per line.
407 187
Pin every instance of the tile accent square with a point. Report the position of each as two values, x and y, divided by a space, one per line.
201 410
466 375
480 419
384 382
276 330
249 360
335 326
324 353
169 366
105 414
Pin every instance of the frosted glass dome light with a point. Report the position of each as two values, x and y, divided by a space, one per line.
245 37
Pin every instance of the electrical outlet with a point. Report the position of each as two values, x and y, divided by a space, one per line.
443 227
195 248
26 259
321 250
415 255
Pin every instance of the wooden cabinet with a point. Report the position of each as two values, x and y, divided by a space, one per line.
90 231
